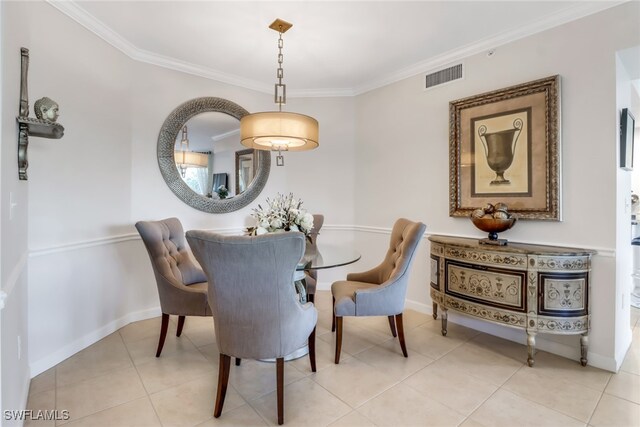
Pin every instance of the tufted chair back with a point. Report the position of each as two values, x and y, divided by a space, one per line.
318 220
181 283
311 277
380 291
405 237
257 314
391 276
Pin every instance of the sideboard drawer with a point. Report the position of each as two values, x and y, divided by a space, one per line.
490 286
563 294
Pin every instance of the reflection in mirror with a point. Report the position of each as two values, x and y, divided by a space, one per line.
206 153
221 119
246 167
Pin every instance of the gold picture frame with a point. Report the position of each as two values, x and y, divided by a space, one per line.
504 146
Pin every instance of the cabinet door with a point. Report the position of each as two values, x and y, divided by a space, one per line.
563 294
435 272
486 285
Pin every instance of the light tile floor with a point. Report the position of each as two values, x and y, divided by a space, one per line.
468 379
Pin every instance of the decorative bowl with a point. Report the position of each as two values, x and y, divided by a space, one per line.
493 226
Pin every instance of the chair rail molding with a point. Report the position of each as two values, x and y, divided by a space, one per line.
110 240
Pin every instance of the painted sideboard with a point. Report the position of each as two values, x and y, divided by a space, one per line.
532 287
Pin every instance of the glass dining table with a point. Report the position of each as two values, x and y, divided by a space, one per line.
320 257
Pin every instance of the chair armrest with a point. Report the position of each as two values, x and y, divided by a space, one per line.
387 299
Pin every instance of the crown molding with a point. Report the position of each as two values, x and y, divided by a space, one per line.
99 28
554 20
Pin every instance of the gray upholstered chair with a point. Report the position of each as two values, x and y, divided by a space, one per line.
182 285
381 290
311 276
256 311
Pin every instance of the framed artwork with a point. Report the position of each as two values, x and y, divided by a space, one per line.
504 146
627 126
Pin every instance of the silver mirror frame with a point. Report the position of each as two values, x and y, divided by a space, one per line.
166 159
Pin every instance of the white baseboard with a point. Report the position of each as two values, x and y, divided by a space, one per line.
419 306
81 343
519 336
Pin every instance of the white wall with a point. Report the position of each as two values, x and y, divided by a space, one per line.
14 371
402 168
88 272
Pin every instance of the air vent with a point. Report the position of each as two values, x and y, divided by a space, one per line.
443 76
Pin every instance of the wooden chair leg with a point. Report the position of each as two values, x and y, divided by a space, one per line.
223 379
180 325
280 388
333 316
338 338
400 328
392 325
163 333
238 360
312 350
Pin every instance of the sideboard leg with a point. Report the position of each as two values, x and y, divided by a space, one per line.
531 347
584 347
435 310
444 321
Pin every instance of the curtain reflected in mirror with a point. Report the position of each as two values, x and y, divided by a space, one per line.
246 168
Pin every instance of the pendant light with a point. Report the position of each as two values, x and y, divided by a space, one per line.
279 130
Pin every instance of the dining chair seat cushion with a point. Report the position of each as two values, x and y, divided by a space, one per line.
344 292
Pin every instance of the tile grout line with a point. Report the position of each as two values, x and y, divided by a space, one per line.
148 396
495 391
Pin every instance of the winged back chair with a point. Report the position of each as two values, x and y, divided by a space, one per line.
311 276
182 285
380 291
256 311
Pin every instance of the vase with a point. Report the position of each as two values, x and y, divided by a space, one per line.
499 148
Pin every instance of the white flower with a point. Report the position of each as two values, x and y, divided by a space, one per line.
282 213
307 222
276 223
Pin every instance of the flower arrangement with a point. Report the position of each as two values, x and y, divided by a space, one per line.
222 192
283 213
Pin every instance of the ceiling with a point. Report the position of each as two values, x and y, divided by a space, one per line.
334 48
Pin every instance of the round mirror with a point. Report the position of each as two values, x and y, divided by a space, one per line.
201 158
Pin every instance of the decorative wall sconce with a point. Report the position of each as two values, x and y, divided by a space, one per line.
44 126
278 130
